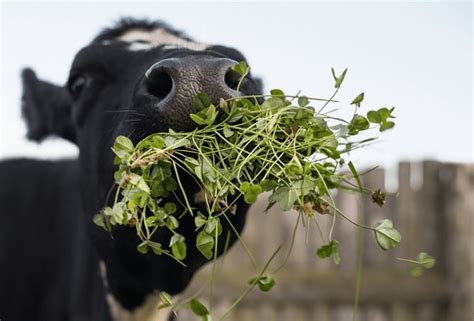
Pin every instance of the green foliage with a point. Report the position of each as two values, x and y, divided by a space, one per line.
199 309
201 101
339 79
356 176
250 191
330 250
277 93
165 300
205 244
386 236
205 116
357 124
264 282
241 68
123 147
285 196
239 150
303 101
381 117
423 262
358 100
178 246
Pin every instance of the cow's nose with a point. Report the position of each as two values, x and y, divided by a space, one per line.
176 81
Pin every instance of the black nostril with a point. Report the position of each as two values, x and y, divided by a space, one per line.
232 79
159 82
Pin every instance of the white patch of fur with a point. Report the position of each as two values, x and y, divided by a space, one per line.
169 47
136 46
157 37
148 311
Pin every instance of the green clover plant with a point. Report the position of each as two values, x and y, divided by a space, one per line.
241 148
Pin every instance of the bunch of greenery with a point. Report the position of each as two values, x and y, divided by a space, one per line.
240 149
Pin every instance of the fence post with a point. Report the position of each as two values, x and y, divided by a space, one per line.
458 183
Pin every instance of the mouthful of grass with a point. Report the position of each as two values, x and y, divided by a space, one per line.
288 146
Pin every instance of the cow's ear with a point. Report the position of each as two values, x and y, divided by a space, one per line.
46 109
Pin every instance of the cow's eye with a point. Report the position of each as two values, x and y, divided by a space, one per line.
78 84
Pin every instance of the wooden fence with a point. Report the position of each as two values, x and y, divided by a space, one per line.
433 211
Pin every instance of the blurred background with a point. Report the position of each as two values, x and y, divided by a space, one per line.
416 56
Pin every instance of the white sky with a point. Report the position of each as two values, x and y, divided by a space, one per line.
414 56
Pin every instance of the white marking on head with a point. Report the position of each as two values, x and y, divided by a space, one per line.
148 311
137 46
169 47
157 37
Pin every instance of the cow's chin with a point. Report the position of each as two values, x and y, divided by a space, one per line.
132 275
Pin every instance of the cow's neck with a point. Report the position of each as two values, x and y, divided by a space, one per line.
148 311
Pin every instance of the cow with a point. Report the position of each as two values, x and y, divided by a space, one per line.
133 79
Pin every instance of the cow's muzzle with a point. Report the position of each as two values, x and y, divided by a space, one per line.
174 82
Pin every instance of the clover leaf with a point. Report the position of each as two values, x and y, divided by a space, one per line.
264 282
241 68
358 100
330 250
205 244
339 79
250 191
386 236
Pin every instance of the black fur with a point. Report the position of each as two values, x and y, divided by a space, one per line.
48 269
128 23
45 117
49 247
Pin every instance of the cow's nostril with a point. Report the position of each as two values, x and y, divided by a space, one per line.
159 83
232 79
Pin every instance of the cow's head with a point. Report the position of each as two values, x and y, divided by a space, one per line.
134 79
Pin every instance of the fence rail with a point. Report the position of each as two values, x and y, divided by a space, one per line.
433 211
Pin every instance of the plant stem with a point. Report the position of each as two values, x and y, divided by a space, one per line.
247 291
409 261
360 263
